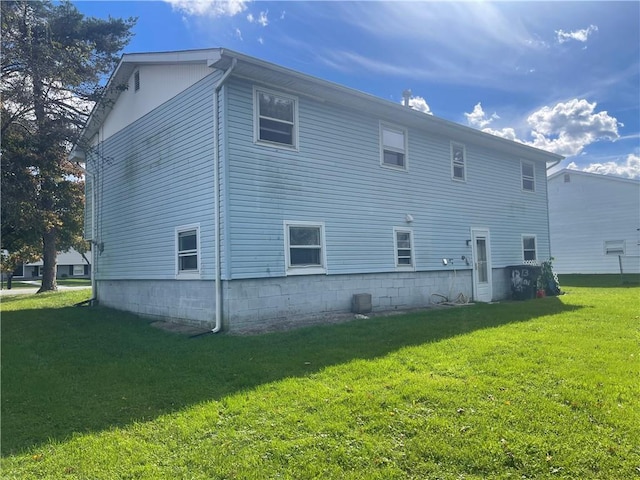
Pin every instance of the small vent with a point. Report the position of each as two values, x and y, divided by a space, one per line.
567 178
136 80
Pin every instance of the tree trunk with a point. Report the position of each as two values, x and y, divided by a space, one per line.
9 277
49 260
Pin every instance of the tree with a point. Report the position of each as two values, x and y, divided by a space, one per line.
54 60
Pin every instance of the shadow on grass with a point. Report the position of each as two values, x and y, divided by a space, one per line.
612 280
77 370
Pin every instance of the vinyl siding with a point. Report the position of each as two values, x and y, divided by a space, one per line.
336 178
156 175
588 211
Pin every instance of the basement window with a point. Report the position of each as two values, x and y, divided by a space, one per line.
403 245
304 248
529 248
188 251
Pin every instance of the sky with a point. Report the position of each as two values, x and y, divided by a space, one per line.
561 76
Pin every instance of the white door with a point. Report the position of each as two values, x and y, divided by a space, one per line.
481 250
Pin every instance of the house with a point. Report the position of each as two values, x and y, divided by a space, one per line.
68 264
227 191
595 222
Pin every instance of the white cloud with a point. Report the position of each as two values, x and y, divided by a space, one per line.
262 19
420 104
578 35
629 167
478 118
508 133
568 127
239 34
209 8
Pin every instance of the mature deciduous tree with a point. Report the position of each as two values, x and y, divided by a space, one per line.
53 62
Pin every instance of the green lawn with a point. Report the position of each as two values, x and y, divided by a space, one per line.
545 388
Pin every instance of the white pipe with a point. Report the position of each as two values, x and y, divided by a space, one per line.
94 243
216 201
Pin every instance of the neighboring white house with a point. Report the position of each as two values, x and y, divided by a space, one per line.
69 264
231 192
594 219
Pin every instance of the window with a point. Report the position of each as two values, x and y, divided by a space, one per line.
529 248
403 244
393 146
458 158
528 176
276 118
304 249
614 247
187 251
136 80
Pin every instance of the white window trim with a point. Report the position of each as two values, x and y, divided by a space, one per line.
403 267
256 119
405 133
190 275
535 241
522 177
608 250
464 162
304 270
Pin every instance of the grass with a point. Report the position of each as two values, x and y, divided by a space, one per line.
545 388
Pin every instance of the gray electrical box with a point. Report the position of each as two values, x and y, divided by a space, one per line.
361 303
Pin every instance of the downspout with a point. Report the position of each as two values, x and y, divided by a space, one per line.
216 201
94 243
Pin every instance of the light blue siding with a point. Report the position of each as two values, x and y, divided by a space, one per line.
336 178
156 175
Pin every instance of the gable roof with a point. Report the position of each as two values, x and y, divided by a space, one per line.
304 85
600 176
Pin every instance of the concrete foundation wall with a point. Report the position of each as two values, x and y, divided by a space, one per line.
255 304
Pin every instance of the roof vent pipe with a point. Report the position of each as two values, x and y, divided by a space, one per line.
406 95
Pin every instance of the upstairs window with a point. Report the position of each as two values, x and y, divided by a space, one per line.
393 146
529 248
403 243
528 176
276 118
187 251
304 248
458 161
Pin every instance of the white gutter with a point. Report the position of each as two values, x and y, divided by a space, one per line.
216 175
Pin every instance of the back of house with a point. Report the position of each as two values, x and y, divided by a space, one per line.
224 190
595 222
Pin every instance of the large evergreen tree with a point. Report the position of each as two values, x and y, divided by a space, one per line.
54 61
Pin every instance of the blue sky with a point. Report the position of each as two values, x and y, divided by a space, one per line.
563 76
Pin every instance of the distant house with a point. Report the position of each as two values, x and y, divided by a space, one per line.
227 191
69 264
594 220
